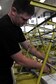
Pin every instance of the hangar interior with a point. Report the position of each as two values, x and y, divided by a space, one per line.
40 30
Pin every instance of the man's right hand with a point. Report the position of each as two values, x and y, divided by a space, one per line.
47 69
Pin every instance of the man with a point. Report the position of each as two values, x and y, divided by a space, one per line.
11 36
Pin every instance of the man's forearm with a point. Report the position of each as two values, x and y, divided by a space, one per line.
36 53
28 62
32 50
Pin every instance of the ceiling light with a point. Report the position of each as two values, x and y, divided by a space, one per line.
42 1
54 19
0 7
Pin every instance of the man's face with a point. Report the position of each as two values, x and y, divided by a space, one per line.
21 19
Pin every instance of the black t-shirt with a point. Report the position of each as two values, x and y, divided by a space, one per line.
10 37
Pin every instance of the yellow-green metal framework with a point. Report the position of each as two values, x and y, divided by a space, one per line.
42 5
45 60
52 23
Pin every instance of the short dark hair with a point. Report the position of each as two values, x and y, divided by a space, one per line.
23 6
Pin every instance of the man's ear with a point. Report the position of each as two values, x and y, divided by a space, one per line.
14 11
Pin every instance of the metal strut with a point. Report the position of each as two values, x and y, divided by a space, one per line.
42 5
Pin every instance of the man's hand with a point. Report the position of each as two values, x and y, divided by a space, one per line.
47 69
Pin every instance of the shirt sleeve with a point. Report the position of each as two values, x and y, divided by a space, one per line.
20 35
11 47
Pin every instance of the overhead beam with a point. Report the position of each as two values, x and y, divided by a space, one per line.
42 5
42 22
54 30
52 23
32 25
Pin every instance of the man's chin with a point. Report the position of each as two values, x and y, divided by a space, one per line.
21 25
